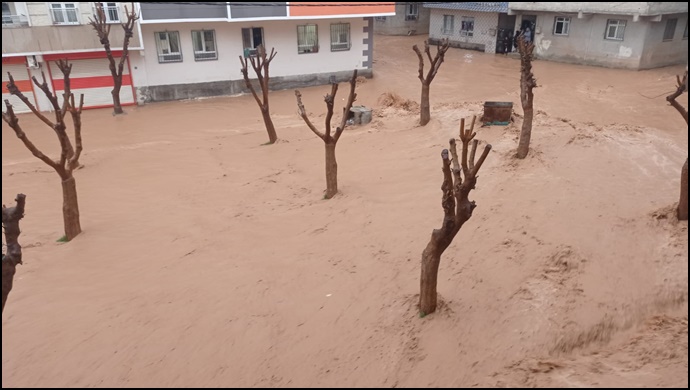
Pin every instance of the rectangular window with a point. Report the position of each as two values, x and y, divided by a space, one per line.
448 24
670 30
467 26
380 18
340 36
615 29
307 39
561 25
204 45
112 13
252 37
412 11
168 46
64 13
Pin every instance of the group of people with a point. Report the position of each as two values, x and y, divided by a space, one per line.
510 41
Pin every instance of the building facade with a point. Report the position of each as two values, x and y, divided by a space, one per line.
411 18
35 35
185 51
622 35
475 26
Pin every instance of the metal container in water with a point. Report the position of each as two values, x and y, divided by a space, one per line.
497 113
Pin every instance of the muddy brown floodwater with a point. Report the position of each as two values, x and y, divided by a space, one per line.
210 260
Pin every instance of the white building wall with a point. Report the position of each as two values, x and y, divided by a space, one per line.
485 28
282 35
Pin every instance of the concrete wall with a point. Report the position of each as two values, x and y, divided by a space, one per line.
610 8
397 25
46 39
658 52
585 43
485 29
192 78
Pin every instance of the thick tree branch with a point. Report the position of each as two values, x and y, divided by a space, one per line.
346 110
14 90
248 83
680 89
421 63
303 114
11 119
330 101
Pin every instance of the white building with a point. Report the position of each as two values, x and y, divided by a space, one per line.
184 51
621 35
471 25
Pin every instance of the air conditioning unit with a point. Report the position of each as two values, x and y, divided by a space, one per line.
32 62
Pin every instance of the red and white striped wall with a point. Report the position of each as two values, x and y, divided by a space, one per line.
91 76
17 67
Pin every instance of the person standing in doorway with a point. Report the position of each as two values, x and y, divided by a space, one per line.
528 35
515 39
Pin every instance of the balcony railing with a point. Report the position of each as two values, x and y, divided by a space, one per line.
15 21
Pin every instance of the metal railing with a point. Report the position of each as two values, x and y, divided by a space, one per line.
15 21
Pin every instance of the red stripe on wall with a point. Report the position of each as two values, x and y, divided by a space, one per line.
14 60
91 82
23 85
82 56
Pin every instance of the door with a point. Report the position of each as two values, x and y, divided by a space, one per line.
92 78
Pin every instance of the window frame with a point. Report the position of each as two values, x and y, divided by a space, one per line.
463 22
618 26
250 51
449 31
672 31
158 46
349 37
63 10
411 11
106 8
565 20
315 47
685 32
204 50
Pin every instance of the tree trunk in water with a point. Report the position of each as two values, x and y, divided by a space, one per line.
526 132
70 208
683 205
117 107
8 270
431 258
331 171
272 136
13 257
425 107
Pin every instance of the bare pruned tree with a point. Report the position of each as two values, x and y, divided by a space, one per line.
681 87
100 24
13 257
69 155
260 64
527 84
457 209
435 64
330 140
